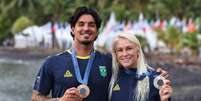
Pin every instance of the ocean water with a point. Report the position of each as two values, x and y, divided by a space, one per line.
17 78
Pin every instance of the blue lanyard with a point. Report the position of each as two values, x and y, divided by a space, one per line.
150 74
77 70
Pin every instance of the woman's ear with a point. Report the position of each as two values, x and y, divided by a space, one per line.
138 55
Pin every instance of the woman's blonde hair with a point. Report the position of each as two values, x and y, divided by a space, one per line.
142 89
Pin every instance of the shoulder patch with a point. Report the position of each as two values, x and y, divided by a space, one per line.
68 74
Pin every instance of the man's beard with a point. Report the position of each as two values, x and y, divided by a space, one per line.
86 42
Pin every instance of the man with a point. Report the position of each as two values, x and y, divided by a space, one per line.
81 73
58 75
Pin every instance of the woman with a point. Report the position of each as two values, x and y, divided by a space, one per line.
128 82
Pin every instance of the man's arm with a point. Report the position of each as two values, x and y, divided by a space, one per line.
71 94
36 96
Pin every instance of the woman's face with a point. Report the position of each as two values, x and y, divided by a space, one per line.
127 53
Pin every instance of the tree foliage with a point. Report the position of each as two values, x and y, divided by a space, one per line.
20 24
42 11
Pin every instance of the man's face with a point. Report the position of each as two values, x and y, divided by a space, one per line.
85 30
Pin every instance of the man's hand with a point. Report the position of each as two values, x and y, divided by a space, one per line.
71 94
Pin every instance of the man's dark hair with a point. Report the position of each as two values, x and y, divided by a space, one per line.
85 10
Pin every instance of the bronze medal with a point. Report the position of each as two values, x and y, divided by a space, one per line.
83 90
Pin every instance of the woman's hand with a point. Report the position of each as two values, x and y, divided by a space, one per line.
166 90
164 73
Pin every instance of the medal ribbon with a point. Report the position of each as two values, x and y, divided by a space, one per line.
77 70
150 74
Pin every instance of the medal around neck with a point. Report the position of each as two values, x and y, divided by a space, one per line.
158 81
83 90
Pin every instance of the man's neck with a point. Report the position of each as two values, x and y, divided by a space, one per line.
83 50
